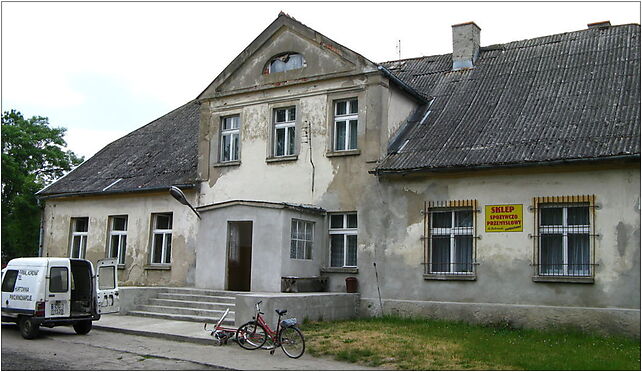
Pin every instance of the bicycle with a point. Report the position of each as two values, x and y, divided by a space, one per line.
256 333
221 333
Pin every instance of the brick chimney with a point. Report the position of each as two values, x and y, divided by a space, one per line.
465 45
602 24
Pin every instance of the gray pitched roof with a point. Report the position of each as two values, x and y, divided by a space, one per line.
556 98
158 155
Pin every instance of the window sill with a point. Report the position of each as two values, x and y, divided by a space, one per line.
227 164
281 158
469 277
332 154
563 279
345 270
158 267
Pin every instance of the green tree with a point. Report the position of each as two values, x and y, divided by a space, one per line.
33 156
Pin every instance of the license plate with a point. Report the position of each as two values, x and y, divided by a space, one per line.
57 308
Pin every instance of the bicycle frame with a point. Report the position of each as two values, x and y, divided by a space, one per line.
256 334
272 334
219 332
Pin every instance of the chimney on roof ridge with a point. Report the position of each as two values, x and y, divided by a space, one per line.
602 24
465 45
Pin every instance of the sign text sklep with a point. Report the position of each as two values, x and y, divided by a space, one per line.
504 218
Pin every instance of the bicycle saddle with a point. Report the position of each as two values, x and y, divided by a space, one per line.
281 312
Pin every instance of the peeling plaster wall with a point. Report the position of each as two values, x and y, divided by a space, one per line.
291 180
138 208
504 272
390 222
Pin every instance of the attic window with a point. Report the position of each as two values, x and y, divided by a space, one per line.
285 62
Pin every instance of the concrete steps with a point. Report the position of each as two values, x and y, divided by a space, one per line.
190 304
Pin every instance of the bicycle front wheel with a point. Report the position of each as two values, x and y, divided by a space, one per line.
292 342
251 335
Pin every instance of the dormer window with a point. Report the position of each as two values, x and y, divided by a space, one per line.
285 62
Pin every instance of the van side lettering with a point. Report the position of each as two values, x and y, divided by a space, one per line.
22 289
29 272
20 297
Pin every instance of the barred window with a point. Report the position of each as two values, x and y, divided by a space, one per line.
450 240
563 244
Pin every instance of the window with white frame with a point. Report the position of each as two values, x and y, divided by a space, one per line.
117 238
285 62
343 240
564 239
161 238
230 138
302 236
451 246
346 122
284 131
79 229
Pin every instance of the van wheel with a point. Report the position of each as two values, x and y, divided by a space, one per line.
28 327
82 327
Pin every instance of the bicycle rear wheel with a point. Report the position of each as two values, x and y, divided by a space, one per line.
251 335
292 342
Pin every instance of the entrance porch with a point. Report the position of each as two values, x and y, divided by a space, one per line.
251 245
207 306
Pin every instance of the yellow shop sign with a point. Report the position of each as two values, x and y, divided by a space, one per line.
504 218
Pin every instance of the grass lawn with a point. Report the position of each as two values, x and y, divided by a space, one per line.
422 344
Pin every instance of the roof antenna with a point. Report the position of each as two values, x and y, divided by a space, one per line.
399 48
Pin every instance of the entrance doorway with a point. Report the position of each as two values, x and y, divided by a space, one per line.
239 255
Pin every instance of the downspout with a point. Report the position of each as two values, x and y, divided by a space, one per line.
310 146
41 230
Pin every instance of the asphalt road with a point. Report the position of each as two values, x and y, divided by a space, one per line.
61 349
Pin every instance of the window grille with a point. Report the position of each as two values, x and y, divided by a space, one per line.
449 237
564 238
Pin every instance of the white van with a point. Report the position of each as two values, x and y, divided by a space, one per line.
45 291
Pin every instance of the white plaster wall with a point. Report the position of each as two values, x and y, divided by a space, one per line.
400 106
504 274
211 256
138 208
298 267
289 181
270 246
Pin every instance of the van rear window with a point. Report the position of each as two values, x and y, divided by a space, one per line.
59 279
9 282
106 277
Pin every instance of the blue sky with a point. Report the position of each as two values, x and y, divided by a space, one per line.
104 69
